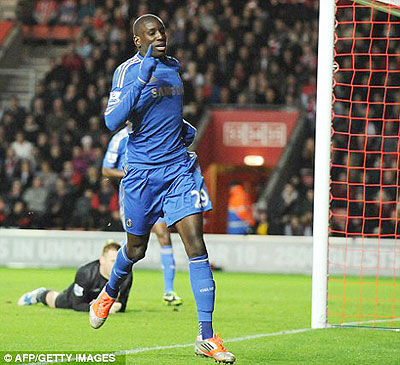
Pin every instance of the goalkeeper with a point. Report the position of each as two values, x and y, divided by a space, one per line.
89 280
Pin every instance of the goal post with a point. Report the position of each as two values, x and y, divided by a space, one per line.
356 256
322 163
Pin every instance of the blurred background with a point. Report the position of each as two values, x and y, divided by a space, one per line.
249 74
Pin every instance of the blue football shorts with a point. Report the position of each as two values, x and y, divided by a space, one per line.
121 208
173 192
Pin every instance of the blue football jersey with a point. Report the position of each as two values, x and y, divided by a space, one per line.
155 111
114 157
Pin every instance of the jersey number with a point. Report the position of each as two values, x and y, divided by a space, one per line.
201 198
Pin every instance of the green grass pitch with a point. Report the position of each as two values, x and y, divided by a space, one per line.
246 304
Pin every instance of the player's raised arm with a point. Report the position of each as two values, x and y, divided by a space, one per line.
122 101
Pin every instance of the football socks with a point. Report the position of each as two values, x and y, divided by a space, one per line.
168 267
122 267
203 287
42 297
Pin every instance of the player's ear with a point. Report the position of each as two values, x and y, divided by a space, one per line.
101 260
136 40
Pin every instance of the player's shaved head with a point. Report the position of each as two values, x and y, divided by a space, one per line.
137 25
149 29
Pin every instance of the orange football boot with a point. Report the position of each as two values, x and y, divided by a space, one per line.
212 347
100 308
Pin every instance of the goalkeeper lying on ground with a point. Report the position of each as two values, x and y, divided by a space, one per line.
89 280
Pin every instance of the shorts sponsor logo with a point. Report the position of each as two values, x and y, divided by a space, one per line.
129 222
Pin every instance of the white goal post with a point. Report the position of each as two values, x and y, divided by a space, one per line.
324 132
322 163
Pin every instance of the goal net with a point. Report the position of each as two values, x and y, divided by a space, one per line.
364 225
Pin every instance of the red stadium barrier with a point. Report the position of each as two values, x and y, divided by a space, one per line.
44 32
5 29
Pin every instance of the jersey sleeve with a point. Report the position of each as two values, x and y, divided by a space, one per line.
188 133
79 296
123 97
111 157
124 292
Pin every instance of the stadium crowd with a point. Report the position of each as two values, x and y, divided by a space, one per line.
231 51
365 158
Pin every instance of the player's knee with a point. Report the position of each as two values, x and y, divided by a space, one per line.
196 248
196 253
139 253
51 297
136 247
164 239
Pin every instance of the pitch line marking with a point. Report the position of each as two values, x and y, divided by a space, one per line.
370 321
236 339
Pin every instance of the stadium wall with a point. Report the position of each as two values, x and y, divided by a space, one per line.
254 254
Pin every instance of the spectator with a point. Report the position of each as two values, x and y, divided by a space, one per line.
10 163
71 60
56 158
82 213
3 212
294 227
85 47
289 200
15 193
16 111
57 118
19 216
68 12
24 173
86 11
60 205
262 223
31 128
35 198
22 148
103 203
240 218
24 11
45 12
47 175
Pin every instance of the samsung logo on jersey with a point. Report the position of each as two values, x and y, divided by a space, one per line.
167 91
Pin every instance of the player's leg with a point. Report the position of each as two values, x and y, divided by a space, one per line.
207 344
183 206
31 297
50 298
133 251
167 263
201 279
141 209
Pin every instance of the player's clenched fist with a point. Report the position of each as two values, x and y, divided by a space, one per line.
147 66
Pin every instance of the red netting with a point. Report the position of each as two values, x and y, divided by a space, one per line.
364 257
